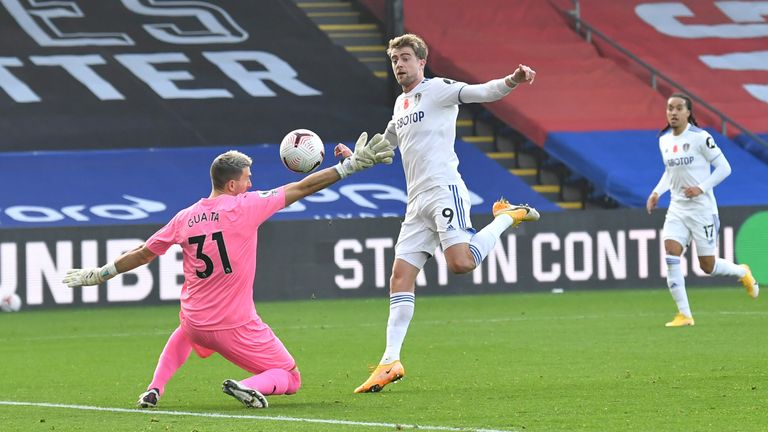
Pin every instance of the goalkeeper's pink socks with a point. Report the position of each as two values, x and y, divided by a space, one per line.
175 353
274 382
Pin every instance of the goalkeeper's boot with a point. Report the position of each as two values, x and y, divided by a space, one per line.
382 375
249 397
518 213
680 320
749 282
149 398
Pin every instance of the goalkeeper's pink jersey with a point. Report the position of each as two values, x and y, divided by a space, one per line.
218 237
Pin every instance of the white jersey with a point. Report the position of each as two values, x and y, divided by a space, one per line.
687 158
424 127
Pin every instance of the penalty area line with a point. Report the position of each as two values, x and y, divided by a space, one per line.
250 417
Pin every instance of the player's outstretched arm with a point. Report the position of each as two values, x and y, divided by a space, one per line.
496 89
93 276
367 153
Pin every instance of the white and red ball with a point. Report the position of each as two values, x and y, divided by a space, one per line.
302 151
10 302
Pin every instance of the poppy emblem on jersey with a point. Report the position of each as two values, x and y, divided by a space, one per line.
686 146
405 103
674 149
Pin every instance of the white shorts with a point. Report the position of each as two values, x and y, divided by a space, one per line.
699 227
437 216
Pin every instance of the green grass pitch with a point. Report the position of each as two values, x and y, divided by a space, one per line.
578 361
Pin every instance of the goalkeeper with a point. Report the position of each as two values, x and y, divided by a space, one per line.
218 237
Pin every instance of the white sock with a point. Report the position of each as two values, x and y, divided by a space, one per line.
481 243
676 284
727 268
401 307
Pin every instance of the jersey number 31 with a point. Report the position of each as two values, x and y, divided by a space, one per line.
200 241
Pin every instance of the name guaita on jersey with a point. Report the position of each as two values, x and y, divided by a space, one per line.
410 118
203 217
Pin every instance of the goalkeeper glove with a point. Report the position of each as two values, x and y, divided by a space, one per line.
366 155
382 152
90 276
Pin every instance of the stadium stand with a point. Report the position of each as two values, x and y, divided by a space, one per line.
626 165
562 136
475 125
350 27
717 49
148 109
683 54
119 78
574 80
594 105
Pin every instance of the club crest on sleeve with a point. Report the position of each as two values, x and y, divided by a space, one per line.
267 194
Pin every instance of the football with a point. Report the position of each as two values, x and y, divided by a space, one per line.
302 151
10 302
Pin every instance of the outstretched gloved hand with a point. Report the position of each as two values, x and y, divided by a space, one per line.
367 154
89 276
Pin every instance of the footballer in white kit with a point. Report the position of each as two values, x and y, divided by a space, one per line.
423 126
687 158
688 153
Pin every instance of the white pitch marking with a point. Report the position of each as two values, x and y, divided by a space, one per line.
251 417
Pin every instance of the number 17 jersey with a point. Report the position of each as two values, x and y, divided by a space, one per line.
218 237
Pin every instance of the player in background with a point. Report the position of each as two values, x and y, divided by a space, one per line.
688 152
218 237
423 126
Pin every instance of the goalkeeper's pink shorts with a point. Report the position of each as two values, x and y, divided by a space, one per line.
252 346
